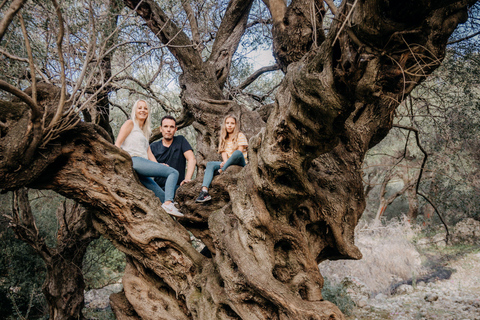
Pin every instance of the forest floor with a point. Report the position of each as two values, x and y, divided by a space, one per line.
455 298
405 275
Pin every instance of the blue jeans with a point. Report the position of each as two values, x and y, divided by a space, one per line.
146 169
237 158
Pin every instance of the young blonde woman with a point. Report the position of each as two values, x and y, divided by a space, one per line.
133 138
232 146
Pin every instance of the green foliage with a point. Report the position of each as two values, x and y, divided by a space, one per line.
103 264
337 294
22 273
445 109
99 314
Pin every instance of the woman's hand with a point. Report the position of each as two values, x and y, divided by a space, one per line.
221 164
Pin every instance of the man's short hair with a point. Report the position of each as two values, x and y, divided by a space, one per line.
168 117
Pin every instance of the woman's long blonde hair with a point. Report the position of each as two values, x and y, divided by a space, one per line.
147 126
224 134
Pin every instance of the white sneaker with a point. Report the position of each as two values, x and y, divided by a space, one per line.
170 208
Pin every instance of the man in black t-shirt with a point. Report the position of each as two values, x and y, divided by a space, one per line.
174 151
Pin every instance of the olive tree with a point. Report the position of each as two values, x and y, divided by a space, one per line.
298 200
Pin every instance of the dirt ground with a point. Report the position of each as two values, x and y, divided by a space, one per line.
456 298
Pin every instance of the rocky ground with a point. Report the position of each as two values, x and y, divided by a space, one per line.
456 298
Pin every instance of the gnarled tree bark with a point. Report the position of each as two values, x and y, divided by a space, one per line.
298 200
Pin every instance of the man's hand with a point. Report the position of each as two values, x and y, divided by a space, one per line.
185 181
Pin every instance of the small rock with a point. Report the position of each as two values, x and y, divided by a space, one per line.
431 297
380 296
404 289
421 284
423 242
362 303
99 298
439 240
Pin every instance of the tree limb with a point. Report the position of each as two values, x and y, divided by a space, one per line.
257 74
193 22
422 168
277 9
15 6
229 34
30 58
173 37
36 110
464 38
332 6
14 57
63 89
23 224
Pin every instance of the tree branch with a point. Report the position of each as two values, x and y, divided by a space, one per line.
229 34
422 168
14 57
30 58
36 110
15 6
193 22
257 74
63 88
332 6
173 37
277 9
464 38
23 224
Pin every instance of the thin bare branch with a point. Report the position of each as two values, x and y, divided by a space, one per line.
465 38
63 89
422 168
30 58
14 57
3 3
332 6
438 213
88 57
15 6
36 110
260 21
344 22
257 74
127 115
193 22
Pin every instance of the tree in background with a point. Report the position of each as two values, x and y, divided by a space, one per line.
297 202
64 284
442 112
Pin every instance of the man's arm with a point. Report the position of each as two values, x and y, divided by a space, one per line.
191 164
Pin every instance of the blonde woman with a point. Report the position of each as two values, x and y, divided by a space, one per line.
133 138
233 147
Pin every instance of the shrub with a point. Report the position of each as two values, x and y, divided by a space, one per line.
338 295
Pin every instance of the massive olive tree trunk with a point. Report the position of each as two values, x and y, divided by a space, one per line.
298 200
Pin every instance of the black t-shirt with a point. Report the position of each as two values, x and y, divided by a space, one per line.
173 156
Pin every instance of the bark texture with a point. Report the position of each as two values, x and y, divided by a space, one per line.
298 200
